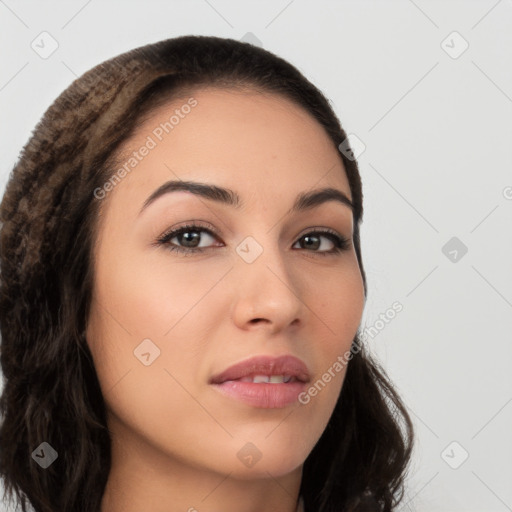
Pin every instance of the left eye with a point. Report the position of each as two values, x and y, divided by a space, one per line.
189 240
313 239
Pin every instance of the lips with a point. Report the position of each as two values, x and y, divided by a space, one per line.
264 382
257 368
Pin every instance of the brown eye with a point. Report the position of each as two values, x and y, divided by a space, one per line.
313 242
193 239
187 239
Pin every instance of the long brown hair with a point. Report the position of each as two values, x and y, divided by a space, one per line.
49 215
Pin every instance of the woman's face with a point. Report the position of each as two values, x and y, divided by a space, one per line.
164 323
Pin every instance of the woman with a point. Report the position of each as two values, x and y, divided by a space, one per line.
181 292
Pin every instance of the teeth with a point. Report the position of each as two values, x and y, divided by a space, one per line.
270 379
261 378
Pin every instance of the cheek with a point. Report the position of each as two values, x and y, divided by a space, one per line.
143 313
337 300
173 305
150 293
341 304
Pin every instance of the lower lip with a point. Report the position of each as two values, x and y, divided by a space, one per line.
264 395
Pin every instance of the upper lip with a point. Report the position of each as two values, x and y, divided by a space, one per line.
265 365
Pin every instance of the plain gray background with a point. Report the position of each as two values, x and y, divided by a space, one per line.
426 86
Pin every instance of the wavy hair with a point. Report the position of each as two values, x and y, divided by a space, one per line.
48 218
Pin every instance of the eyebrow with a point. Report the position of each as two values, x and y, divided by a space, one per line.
304 201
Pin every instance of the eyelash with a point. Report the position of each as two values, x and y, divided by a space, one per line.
341 243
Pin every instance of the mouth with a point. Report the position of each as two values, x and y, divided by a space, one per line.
264 381
265 369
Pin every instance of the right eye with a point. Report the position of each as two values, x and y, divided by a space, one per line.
188 238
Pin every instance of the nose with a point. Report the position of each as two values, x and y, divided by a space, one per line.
267 292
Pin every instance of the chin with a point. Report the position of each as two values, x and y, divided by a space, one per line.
255 460
265 469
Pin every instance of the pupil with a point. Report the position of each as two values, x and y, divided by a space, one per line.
315 238
194 235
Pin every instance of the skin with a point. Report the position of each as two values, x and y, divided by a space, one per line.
175 439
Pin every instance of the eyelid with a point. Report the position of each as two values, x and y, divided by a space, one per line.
316 229
190 225
209 227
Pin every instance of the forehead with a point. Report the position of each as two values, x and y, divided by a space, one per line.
251 141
